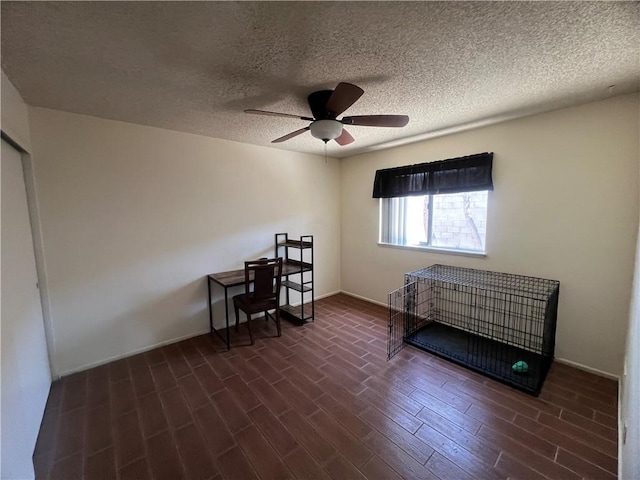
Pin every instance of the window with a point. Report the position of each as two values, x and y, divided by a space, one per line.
440 204
456 221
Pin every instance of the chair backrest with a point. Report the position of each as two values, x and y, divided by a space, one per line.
266 275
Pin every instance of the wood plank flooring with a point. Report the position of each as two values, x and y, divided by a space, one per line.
321 402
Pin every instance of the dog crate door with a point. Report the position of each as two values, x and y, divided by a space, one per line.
402 309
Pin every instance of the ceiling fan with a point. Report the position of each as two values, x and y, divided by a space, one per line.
325 106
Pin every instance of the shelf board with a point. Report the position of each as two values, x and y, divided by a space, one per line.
296 286
295 244
290 267
295 313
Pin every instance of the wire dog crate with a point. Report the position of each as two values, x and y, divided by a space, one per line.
498 324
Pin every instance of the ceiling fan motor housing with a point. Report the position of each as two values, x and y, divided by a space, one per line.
318 104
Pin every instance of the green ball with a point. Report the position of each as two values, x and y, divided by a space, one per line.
520 367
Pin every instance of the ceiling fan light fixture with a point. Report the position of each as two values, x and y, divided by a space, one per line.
326 129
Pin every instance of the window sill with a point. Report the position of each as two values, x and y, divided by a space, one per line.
445 251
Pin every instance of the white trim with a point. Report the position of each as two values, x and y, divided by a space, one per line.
325 295
41 263
132 353
445 251
151 347
157 345
577 365
580 366
38 247
360 297
363 298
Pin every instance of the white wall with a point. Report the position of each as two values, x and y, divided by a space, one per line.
565 207
25 367
134 218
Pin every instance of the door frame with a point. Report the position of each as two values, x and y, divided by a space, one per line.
38 248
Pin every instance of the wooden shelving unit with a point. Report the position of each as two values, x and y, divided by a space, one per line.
297 270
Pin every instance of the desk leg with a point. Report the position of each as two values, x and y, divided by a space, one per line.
226 312
210 308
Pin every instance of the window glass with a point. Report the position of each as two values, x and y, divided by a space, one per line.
456 221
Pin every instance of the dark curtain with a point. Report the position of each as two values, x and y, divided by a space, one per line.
462 174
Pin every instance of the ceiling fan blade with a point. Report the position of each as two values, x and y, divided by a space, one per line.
344 95
345 138
276 114
377 120
290 135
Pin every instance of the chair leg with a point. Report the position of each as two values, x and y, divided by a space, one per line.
235 307
249 327
278 322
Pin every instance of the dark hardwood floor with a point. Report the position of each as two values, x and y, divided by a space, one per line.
321 402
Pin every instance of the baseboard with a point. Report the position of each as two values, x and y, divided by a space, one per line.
595 371
577 365
360 297
330 294
151 347
134 352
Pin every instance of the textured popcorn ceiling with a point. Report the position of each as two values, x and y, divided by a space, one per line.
195 66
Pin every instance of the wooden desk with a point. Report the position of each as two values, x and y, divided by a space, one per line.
235 278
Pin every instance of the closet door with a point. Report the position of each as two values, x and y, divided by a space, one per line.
25 372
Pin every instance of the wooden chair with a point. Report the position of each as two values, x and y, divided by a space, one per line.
266 276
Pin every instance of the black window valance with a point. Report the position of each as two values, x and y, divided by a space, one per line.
462 174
